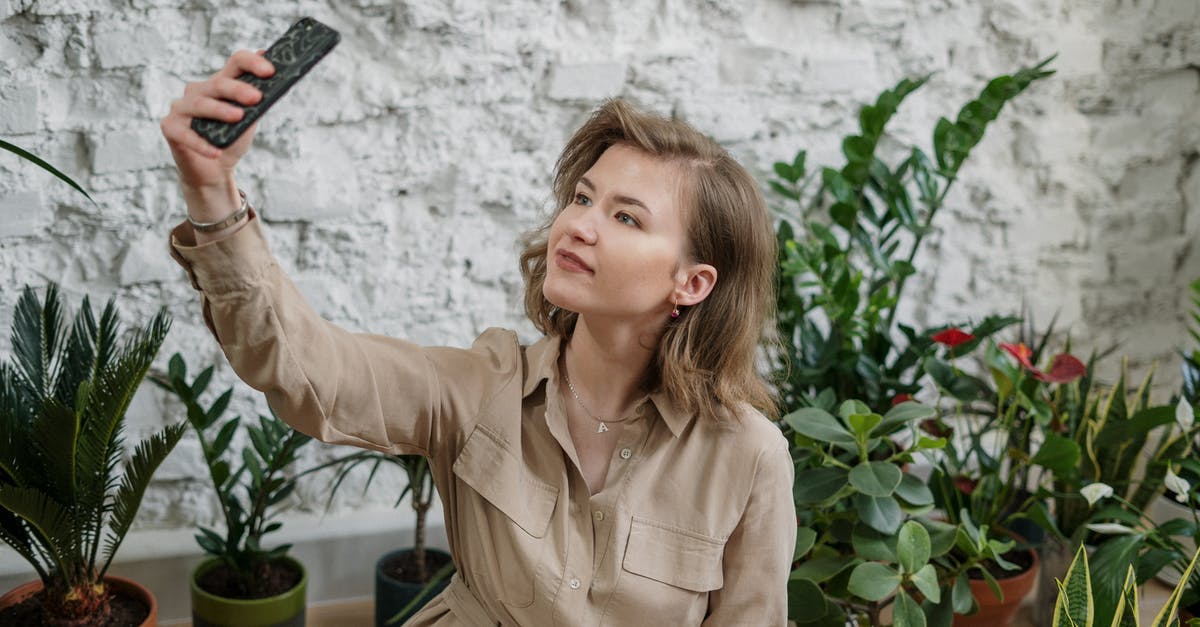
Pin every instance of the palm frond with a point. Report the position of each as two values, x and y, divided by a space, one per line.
75 366
146 459
25 154
54 436
16 533
49 521
36 333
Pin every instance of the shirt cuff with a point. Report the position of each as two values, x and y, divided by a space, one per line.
233 262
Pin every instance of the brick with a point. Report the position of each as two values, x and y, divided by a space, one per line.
19 109
589 82
22 214
143 261
121 151
127 47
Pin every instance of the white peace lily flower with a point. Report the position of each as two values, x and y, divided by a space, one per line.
1178 485
1110 528
1093 492
1185 416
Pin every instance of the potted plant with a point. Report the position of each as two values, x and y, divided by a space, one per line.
243 583
1075 603
840 282
864 540
406 578
65 486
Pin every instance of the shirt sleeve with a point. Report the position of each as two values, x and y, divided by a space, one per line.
366 390
758 554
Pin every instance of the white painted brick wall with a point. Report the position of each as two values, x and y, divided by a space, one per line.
396 179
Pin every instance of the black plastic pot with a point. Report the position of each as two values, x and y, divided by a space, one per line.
391 595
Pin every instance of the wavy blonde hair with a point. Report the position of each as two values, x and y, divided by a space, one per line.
706 359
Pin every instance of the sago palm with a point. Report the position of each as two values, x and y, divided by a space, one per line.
65 487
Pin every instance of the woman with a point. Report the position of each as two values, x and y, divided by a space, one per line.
613 473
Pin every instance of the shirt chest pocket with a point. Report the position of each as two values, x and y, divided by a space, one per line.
672 569
505 527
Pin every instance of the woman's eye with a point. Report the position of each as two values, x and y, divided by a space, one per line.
582 199
625 218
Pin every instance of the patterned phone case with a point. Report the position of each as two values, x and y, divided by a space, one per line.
294 54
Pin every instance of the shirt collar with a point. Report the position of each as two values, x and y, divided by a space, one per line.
541 360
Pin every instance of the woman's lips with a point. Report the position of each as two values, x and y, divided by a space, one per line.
570 262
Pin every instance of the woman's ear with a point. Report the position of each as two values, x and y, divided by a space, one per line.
694 283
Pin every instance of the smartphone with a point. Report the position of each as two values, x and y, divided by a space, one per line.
294 54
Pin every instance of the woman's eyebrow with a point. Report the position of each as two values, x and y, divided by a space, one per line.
620 198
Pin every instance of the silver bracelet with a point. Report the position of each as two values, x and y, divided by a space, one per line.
209 227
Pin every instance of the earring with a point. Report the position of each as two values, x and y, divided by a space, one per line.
675 311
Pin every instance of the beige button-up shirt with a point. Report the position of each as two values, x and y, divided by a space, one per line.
695 524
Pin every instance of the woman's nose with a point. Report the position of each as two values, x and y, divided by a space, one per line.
581 225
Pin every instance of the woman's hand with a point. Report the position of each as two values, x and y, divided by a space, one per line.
205 171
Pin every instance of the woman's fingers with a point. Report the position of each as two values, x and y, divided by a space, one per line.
244 61
178 131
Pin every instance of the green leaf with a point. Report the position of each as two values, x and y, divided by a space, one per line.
224 436
881 513
941 536
783 191
913 547
1107 568
903 414
927 582
821 426
914 491
824 567
805 538
873 581
805 598
1074 605
843 214
862 424
872 545
875 478
1058 454
819 484
961 596
907 613
20 152
146 458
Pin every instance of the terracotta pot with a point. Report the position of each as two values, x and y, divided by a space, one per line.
125 587
993 612
282 610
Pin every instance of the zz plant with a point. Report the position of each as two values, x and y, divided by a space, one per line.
65 486
250 495
842 276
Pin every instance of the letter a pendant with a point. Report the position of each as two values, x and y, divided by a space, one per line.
603 427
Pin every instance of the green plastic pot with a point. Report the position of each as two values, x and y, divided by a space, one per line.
281 610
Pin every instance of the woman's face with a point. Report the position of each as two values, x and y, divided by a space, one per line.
617 250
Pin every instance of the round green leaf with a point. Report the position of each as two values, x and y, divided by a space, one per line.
872 545
805 538
851 407
821 426
903 414
914 491
804 598
873 581
823 568
881 513
819 484
964 600
875 478
907 613
912 549
926 581
861 424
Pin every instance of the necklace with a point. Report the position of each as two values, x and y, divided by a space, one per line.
603 427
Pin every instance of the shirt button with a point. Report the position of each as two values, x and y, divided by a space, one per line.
599 516
626 453
574 583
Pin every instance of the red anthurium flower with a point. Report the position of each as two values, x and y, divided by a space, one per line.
952 337
965 484
1022 354
900 398
1064 369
